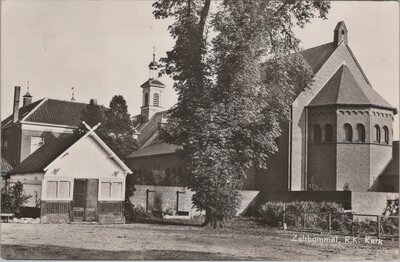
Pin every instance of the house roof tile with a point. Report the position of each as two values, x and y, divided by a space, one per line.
44 155
58 112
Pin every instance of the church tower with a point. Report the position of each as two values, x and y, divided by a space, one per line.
152 90
340 33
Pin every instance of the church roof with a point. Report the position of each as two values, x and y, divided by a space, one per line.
152 82
317 56
156 148
50 111
343 89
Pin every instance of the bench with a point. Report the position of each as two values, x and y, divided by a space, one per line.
6 216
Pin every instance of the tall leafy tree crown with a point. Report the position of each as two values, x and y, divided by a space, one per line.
236 71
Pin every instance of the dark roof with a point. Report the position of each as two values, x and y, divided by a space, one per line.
58 112
317 56
156 148
23 111
153 82
43 156
149 130
5 166
343 89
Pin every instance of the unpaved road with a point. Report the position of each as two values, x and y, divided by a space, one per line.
147 241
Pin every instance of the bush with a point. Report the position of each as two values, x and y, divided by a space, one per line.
315 214
134 213
13 199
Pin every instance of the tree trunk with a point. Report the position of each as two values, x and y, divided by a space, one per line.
213 221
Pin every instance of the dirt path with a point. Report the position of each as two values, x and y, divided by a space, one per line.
145 241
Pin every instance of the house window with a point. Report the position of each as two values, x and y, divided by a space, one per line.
111 191
317 134
105 189
64 189
51 189
156 99
386 135
36 142
360 133
348 133
58 190
116 190
328 133
377 138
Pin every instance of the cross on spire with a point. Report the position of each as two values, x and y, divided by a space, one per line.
73 94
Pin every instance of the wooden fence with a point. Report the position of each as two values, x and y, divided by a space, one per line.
347 223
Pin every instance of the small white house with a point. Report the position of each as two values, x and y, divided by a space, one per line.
77 178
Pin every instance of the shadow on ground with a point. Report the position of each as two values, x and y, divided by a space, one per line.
25 252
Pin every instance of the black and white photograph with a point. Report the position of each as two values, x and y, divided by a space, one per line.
199 130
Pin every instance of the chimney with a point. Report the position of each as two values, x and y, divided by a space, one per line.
17 91
27 99
93 101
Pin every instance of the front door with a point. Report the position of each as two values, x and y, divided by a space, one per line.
85 200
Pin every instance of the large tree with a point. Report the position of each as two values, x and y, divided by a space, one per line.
236 70
116 128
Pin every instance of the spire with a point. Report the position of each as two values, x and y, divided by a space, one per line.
73 94
153 66
27 98
340 33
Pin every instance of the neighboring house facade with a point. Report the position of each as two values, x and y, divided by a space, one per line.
69 186
23 132
340 133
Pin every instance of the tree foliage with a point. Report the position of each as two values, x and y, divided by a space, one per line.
13 198
116 128
236 71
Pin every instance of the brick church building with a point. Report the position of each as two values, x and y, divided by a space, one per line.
340 133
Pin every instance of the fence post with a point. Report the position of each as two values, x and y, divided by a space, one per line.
329 221
352 224
284 216
378 219
304 220
147 200
177 201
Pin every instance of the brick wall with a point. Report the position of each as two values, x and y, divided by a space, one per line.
340 55
321 161
161 198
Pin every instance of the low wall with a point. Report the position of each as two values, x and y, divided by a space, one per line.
162 198
373 203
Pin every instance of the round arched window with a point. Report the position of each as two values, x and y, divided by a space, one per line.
328 133
317 134
348 133
360 133
377 137
386 135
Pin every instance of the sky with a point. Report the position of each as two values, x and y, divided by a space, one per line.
103 48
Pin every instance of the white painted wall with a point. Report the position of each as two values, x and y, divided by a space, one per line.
85 159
